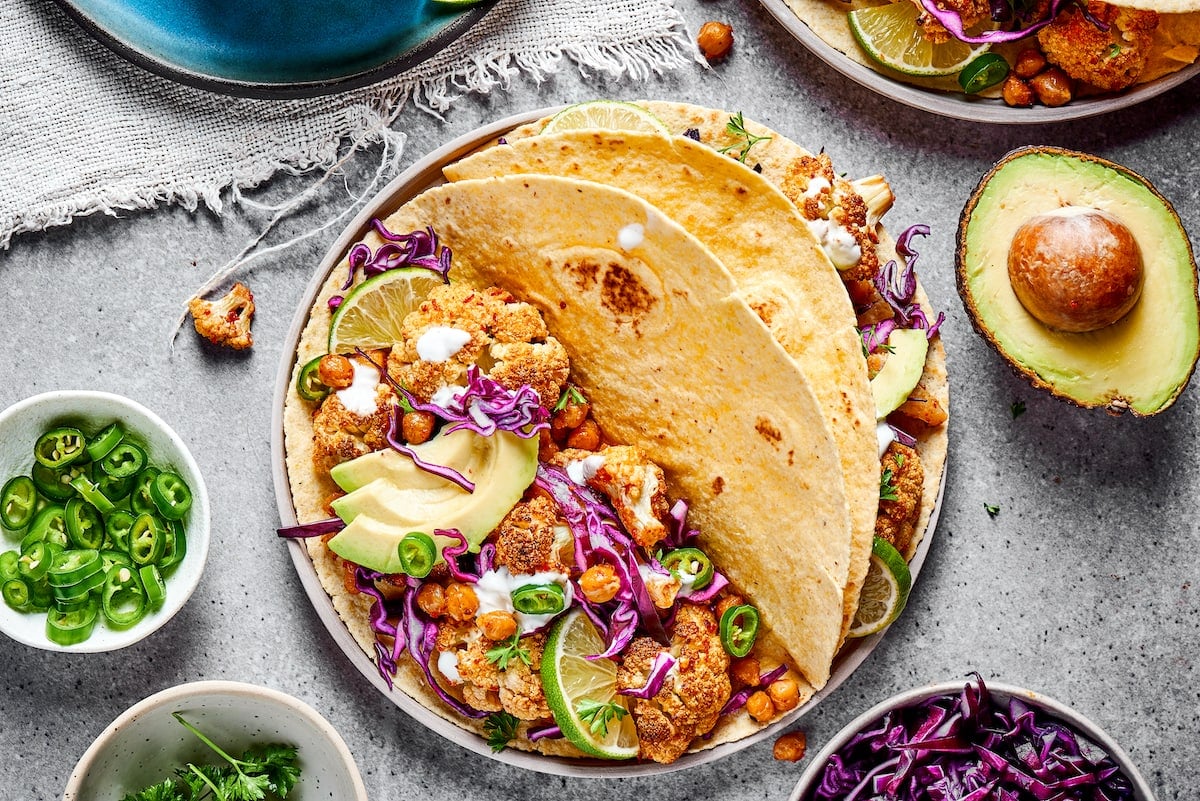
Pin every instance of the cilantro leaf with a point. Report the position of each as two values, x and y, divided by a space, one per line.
991 509
505 651
736 127
1017 408
570 394
887 489
165 791
500 728
599 715
278 763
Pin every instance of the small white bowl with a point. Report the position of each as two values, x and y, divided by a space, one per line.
20 426
811 778
146 743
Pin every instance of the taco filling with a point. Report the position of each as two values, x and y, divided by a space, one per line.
481 508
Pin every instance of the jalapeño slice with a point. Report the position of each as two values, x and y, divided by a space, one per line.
56 484
152 582
171 495
417 553
115 489
59 447
539 599
308 384
18 503
35 561
739 628
140 499
124 460
116 530
8 565
92 494
176 547
71 628
690 564
85 526
104 442
123 599
147 540
50 525
16 593
72 567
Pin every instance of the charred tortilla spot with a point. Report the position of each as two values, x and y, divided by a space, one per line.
718 485
767 431
766 310
585 273
623 294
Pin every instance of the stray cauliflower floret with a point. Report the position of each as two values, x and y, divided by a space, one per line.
341 434
1109 59
517 689
634 485
693 693
528 541
897 519
226 320
841 219
506 338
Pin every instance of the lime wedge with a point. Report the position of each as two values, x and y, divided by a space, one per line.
884 592
571 681
890 35
373 313
613 115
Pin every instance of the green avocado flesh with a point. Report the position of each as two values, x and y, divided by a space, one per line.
892 385
1143 360
389 496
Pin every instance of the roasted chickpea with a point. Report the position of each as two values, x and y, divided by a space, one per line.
784 694
760 707
417 427
600 583
431 599
1030 62
335 371
727 602
461 602
790 747
745 671
497 625
714 40
1016 92
570 416
547 447
586 437
1052 87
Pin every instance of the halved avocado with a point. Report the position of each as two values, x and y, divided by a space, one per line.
1141 362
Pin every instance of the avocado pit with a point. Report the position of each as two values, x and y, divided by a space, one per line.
1076 268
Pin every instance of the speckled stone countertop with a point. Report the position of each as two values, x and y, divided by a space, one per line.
1083 587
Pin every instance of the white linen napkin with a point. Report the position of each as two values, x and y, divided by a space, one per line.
83 131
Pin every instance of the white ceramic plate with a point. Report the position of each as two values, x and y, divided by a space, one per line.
20 426
145 744
960 106
422 175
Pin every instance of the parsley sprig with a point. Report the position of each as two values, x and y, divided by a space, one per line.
263 772
503 653
736 127
887 486
569 395
500 728
598 715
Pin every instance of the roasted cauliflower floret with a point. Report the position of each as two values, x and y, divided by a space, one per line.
506 338
634 485
226 320
1107 59
692 694
903 478
528 539
341 434
517 689
842 215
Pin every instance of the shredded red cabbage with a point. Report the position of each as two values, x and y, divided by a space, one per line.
718 583
658 673
738 699
953 23
316 529
898 285
416 249
485 407
678 533
448 473
452 552
903 437
379 619
553 732
969 747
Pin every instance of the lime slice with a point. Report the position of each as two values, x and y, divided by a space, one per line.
570 680
884 592
372 314
612 115
890 35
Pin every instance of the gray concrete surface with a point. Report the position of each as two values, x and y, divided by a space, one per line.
1083 587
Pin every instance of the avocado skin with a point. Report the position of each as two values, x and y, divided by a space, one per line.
1115 406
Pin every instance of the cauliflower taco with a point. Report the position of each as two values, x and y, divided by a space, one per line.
560 479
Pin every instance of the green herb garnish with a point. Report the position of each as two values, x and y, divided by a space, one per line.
500 729
887 490
569 395
736 127
505 651
991 509
1017 409
1112 52
598 715
263 772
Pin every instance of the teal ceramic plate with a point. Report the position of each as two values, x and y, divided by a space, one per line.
275 48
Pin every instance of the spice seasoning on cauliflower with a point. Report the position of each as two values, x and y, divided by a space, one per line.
226 320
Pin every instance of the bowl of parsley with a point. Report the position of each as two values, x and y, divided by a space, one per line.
217 739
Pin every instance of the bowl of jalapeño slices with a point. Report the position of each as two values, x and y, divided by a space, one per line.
104 522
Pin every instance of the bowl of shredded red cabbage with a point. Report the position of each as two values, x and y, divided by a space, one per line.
972 742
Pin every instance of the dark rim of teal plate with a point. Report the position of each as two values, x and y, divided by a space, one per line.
286 90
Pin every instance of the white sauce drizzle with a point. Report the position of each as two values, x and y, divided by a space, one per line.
440 343
840 245
447 663
885 435
631 236
816 186
495 588
580 470
360 397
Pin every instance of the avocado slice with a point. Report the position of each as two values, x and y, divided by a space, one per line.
1141 362
892 385
390 496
